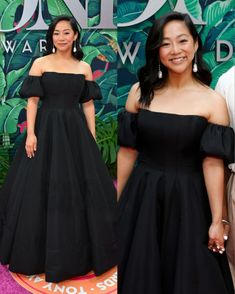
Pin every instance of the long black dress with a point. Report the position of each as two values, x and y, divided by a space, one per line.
164 212
57 210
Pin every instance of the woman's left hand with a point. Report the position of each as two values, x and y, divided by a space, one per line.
216 238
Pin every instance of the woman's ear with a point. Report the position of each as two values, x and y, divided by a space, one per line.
75 37
196 45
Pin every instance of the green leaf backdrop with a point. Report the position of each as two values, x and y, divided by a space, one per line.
220 19
100 49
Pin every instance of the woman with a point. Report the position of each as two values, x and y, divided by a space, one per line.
58 202
170 212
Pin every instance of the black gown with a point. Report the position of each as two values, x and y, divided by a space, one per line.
57 210
164 212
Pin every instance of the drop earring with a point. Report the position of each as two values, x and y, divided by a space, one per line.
159 72
74 47
195 68
53 49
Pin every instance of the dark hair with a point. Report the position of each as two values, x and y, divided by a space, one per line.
148 74
49 41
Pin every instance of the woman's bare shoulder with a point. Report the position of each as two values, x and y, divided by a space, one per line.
85 68
40 64
84 64
217 107
43 59
37 67
132 103
212 97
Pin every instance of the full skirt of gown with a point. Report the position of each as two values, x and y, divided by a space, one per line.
57 209
164 212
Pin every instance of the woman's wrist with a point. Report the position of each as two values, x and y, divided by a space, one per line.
30 134
217 221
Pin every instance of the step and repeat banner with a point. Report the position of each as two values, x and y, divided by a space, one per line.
113 36
215 22
23 25
115 55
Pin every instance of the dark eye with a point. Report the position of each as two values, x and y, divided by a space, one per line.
165 44
183 41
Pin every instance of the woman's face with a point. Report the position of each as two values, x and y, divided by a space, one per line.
63 36
178 47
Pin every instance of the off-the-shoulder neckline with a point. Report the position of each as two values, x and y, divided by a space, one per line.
174 114
179 115
59 73
63 73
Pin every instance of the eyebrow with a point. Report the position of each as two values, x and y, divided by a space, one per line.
63 30
182 35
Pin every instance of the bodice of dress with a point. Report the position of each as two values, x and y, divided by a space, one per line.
60 90
168 140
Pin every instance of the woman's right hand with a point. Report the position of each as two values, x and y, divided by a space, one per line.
31 145
216 238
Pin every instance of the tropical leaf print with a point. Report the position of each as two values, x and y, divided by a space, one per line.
213 15
129 10
58 7
2 82
223 31
108 84
7 13
219 18
194 8
100 50
9 125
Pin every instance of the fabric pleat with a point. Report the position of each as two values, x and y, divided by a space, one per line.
58 209
164 212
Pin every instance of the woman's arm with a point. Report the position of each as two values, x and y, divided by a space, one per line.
127 156
89 107
225 205
125 162
31 140
213 169
89 111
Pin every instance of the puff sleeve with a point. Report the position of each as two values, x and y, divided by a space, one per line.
218 140
31 87
127 129
91 91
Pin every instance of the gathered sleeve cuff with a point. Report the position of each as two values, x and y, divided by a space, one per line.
31 87
127 129
218 140
91 91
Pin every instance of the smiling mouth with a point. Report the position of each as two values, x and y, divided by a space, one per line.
177 59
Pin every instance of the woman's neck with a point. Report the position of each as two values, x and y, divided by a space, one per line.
179 81
64 55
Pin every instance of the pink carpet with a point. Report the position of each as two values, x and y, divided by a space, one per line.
8 284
